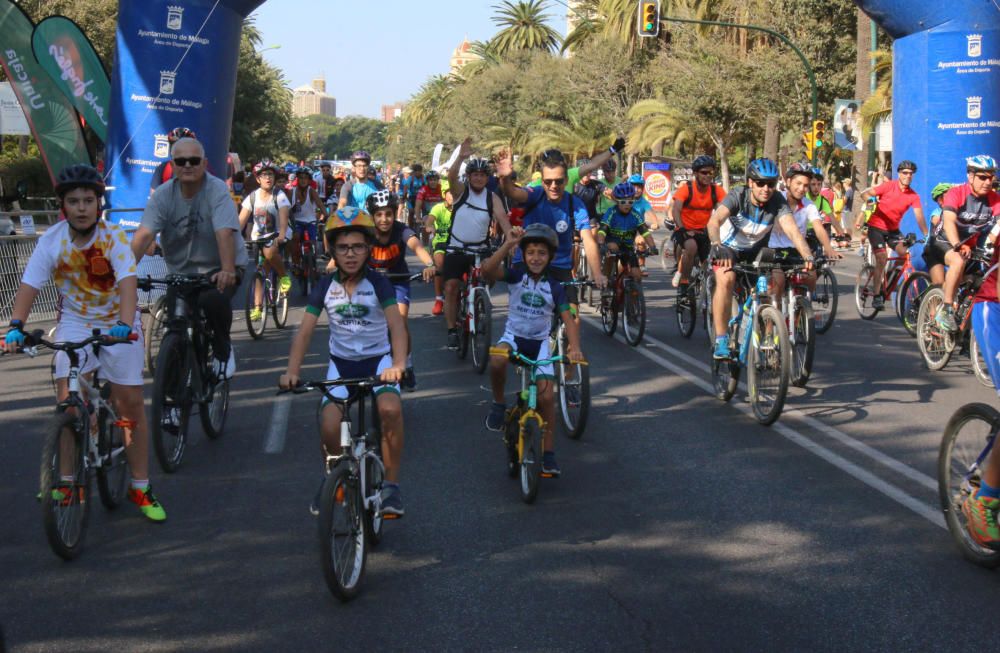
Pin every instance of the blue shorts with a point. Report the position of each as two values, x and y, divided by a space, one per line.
534 349
402 293
308 227
986 327
343 368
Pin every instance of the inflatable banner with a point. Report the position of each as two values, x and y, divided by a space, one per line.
53 121
62 49
175 66
945 85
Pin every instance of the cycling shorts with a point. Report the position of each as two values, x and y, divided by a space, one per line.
881 239
402 293
934 251
343 368
699 236
986 327
306 227
788 255
742 256
534 349
626 254
456 265
121 364
439 245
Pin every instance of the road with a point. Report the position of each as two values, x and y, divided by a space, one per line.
678 523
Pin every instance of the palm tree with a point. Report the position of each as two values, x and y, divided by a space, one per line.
577 135
430 101
878 106
523 27
656 122
487 58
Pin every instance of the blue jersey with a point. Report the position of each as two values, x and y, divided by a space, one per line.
623 226
531 304
357 192
642 205
409 188
564 216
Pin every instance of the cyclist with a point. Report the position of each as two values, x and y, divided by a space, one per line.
473 212
325 181
738 230
934 251
388 254
585 168
439 223
367 338
428 196
306 210
165 170
199 231
269 208
356 190
535 296
589 189
618 230
694 202
817 194
970 210
408 192
895 197
645 209
94 270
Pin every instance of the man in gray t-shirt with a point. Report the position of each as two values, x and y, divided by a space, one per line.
195 218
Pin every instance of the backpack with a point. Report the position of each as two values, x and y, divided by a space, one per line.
715 195
463 200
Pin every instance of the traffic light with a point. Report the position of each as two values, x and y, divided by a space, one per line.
807 144
649 18
819 133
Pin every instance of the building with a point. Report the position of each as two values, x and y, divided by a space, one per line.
574 9
462 55
392 111
312 100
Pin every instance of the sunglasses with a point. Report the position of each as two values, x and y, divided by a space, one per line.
554 182
984 177
763 184
709 173
185 161
624 202
353 248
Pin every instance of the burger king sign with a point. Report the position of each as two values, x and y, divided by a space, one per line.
659 182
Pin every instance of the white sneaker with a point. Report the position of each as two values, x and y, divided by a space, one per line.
677 279
227 369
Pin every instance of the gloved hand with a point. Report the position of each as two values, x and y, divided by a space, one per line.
720 253
618 145
120 331
15 337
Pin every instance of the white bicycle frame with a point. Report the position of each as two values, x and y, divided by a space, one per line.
356 450
473 292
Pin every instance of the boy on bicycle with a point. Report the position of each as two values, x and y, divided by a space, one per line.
534 298
91 263
619 228
367 338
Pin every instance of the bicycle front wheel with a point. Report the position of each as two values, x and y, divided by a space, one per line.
279 303
824 300
707 291
969 433
634 314
113 471
768 365
65 503
170 409
864 293
155 328
342 542
686 309
573 388
936 344
531 458
463 327
908 299
256 322
609 312
481 339
804 344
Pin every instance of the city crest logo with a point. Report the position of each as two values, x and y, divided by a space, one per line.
175 17
974 107
168 81
532 299
161 146
974 45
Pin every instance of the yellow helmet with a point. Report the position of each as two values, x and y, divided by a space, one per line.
350 218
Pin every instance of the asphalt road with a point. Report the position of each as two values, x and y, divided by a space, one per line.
678 523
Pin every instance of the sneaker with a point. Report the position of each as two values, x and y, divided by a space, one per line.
494 420
171 421
721 352
63 495
438 307
256 314
225 369
453 339
981 519
409 382
148 504
314 506
284 284
676 280
642 269
550 468
392 501
878 302
945 318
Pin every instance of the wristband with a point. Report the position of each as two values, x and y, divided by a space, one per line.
16 324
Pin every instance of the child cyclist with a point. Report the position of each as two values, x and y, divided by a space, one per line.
388 255
534 298
619 227
367 338
439 223
91 264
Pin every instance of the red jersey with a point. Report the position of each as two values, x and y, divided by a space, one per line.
893 203
974 214
429 196
988 291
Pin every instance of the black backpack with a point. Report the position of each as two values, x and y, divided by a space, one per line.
462 201
715 195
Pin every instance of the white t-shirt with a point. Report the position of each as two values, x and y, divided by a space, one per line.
86 277
306 211
470 221
265 212
804 213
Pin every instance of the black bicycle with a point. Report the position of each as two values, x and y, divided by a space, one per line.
185 374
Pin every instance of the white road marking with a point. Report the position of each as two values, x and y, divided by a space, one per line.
275 442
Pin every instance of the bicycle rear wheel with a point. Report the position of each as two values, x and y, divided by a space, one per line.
531 458
634 313
908 299
155 328
768 365
970 431
804 346
342 542
170 409
864 293
609 312
481 339
824 300
279 303
686 309
726 373
113 471
936 344
256 326
979 367
65 504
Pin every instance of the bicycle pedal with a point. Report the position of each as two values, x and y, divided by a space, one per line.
389 515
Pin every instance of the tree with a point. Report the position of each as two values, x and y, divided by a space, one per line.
523 27
353 133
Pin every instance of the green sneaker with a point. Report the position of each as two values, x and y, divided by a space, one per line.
981 519
148 504
256 314
284 284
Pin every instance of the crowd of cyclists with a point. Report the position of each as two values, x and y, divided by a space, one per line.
535 234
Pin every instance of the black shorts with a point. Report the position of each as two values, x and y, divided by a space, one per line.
700 237
743 256
881 239
627 255
456 265
559 274
935 251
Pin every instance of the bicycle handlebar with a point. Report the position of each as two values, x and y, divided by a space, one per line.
192 281
36 339
306 386
518 358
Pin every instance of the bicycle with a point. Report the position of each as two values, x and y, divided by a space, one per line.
306 271
624 296
270 296
824 299
688 300
968 438
908 298
350 507
897 268
86 437
800 320
475 310
758 340
574 410
184 372
523 425
582 271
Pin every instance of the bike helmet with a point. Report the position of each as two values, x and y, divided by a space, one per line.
906 165
349 219
981 163
940 190
290 168
799 168
177 133
623 191
361 155
303 170
477 164
540 233
381 199
432 174
702 161
264 164
79 175
372 170
762 170
817 174
636 179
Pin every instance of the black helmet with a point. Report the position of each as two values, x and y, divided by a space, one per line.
381 199
906 165
79 175
477 164
540 233
799 168
703 161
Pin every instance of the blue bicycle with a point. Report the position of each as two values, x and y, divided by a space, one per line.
758 341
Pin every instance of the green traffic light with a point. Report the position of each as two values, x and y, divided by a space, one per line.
649 27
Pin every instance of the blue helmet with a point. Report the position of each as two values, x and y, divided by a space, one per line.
763 170
981 163
636 179
623 191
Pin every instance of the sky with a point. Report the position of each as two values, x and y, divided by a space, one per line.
373 52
